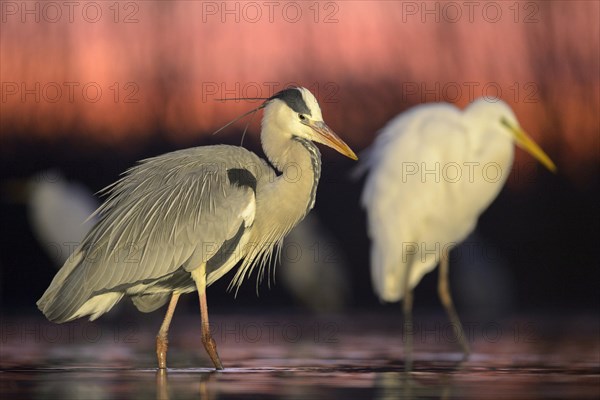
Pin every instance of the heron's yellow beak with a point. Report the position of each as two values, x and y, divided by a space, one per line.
525 142
326 136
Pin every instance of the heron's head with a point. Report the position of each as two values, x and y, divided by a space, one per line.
497 115
295 112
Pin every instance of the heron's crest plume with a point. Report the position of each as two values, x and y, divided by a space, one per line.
297 98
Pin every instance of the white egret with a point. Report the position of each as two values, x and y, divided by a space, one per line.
431 172
57 211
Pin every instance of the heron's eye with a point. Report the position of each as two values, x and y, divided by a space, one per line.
302 117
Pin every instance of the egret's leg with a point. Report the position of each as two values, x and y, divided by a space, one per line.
407 304
161 339
199 275
446 299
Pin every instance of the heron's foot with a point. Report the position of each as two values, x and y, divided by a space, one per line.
211 348
161 351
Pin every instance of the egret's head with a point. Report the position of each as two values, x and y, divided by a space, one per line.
296 112
497 115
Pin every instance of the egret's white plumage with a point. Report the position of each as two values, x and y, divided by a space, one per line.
431 172
57 211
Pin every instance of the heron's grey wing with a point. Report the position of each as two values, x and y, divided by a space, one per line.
169 211
404 193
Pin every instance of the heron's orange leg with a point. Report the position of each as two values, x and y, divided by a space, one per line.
199 275
161 339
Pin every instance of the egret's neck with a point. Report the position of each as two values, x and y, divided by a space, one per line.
492 150
493 146
488 141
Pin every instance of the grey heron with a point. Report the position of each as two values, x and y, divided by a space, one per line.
176 223
432 171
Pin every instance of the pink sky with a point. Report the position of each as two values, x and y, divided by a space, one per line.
365 61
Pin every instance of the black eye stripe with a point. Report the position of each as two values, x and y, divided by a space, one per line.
293 98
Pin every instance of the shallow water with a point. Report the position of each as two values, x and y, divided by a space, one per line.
297 357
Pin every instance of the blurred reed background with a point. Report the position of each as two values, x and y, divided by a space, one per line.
88 88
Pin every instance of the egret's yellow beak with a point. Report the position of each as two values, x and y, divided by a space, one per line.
525 142
326 136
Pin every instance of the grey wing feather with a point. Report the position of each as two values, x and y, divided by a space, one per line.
150 302
167 212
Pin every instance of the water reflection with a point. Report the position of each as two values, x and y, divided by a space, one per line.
364 362
163 391
298 384
429 381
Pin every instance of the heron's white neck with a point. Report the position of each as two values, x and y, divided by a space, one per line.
290 195
283 199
